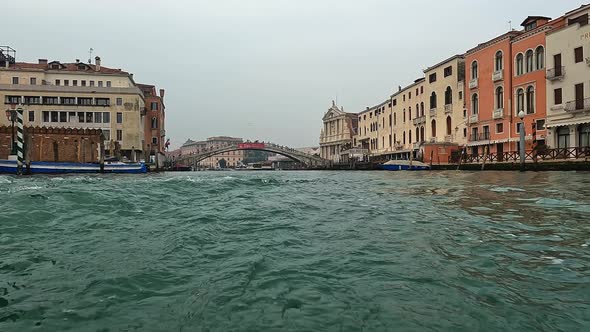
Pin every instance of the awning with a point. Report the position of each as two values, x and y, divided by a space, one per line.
568 122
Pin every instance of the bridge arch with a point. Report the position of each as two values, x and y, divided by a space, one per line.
306 159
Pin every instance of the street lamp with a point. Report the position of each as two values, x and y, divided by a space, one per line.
11 116
521 115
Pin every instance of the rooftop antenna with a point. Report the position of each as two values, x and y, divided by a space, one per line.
90 55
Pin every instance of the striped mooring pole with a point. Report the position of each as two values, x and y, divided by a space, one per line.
20 139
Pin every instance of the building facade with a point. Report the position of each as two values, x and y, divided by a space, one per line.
154 124
337 133
505 76
78 95
568 86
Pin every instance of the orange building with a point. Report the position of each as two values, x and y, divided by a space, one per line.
504 76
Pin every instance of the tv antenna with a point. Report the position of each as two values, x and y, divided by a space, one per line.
90 55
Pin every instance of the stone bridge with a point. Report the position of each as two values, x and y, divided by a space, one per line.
310 161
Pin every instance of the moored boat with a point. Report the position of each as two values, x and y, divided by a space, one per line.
43 167
404 165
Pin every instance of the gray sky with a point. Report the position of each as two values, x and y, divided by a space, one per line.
262 69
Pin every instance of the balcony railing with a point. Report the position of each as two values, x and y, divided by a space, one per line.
473 84
579 105
555 73
433 140
485 136
419 120
432 112
530 156
474 118
498 75
448 108
499 113
449 138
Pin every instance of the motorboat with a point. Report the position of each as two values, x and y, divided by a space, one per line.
404 165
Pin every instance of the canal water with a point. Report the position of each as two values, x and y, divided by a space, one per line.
296 251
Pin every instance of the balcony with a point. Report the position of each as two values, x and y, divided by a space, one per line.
449 138
420 120
499 113
485 136
432 140
432 112
474 83
474 118
579 105
448 108
556 73
498 75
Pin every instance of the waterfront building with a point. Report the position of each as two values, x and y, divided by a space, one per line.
230 159
506 75
568 87
446 116
369 128
154 124
76 95
337 133
408 121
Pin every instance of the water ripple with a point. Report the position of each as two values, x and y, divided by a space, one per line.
296 251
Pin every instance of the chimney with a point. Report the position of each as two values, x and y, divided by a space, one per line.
97 63
42 61
162 91
131 76
77 60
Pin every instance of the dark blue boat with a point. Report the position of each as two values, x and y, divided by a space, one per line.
404 165
42 167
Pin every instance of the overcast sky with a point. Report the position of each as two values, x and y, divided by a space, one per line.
262 69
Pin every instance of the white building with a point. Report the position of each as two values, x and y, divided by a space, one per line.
568 89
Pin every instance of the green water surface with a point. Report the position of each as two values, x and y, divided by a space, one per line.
296 251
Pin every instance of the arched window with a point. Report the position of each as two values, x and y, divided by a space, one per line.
499 61
449 125
417 135
529 61
404 137
475 104
410 113
519 64
499 97
409 136
519 101
433 124
540 57
530 100
448 96
474 72
404 115
417 111
422 109
421 134
433 100
154 123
